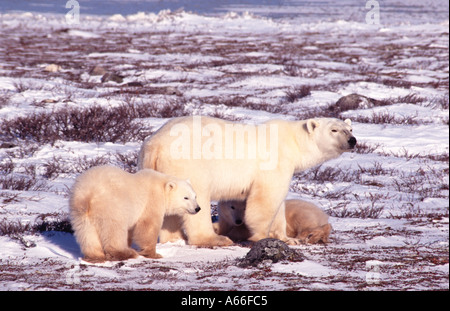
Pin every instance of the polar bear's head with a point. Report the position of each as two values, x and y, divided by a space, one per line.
332 136
181 198
232 212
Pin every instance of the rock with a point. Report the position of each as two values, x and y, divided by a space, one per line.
351 102
270 251
97 71
7 145
173 91
52 68
135 84
112 77
25 242
355 101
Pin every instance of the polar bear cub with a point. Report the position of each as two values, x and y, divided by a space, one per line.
232 220
110 208
304 221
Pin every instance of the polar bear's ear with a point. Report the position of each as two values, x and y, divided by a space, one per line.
311 125
170 185
348 122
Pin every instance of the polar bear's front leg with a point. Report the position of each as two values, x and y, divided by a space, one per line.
259 216
199 229
265 212
278 228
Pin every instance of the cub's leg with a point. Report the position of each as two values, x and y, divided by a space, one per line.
115 242
145 235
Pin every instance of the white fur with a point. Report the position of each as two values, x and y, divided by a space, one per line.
299 145
109 208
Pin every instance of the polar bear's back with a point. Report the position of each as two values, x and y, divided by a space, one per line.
305 214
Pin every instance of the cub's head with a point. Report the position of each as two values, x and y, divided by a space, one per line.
332 136
180 198
232 212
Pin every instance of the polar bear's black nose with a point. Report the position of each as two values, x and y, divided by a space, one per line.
238 222
352 142
197 209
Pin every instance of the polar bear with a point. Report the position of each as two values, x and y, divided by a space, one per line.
110 208
232 220
233 161
304 221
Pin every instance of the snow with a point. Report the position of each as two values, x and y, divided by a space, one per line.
421 139
82 34
227 65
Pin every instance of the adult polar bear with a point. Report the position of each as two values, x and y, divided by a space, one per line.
230 161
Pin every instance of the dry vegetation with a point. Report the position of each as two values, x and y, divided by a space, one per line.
73 105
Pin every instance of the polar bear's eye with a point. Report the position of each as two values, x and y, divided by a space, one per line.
232 207
334 131
186 198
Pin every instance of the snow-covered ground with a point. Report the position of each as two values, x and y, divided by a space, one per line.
388 200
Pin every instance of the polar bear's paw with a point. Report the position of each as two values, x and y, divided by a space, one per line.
214 240
150 254
292 241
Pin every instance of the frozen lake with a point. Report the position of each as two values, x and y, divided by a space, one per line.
391 11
